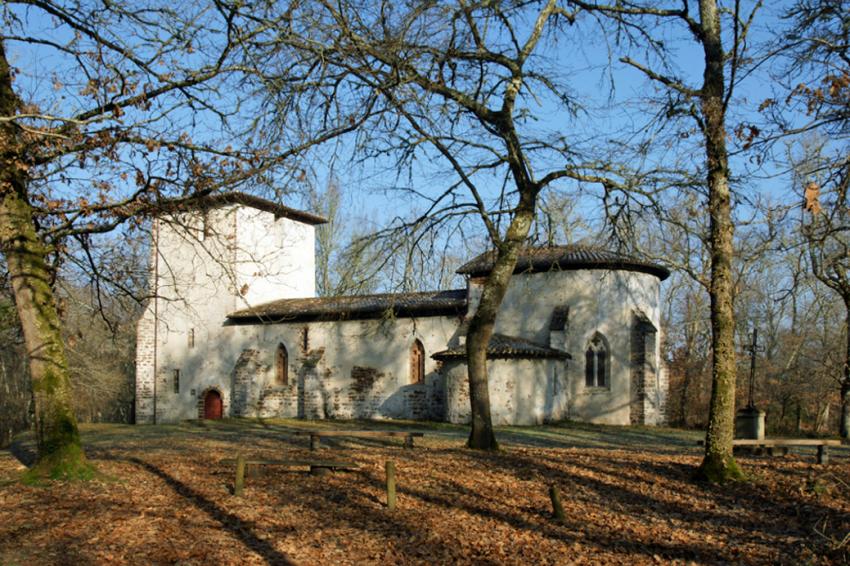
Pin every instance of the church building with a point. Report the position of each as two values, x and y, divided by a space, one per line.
234 329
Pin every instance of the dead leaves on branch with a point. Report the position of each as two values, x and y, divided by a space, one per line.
812 196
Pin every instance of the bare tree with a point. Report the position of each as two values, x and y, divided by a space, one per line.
817 52
462 83
151 106
721 33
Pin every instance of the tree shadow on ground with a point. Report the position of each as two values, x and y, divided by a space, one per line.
241 529
781 516
455 496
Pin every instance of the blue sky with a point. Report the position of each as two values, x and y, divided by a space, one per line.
371 200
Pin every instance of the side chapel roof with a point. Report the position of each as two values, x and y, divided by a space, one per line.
429 303
564 258
504 346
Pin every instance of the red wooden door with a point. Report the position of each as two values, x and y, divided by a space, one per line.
212 405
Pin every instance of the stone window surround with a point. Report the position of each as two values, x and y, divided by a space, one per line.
417 362
281 359
598 344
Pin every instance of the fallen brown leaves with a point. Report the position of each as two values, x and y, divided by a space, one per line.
171 502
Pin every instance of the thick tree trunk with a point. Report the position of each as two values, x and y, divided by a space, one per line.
483 322
59 451
844 422
718 464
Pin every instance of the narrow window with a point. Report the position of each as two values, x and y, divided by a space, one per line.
191 337
601 369
596 362
177 381
417 362
206 231
305 339
281 366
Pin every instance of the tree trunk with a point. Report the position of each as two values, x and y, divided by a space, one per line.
844 422
60 453
718 464
483 322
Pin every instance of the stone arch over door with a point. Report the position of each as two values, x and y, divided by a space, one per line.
211 404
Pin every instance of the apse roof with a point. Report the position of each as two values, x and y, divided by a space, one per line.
563 258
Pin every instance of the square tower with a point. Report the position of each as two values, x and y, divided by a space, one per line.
223 253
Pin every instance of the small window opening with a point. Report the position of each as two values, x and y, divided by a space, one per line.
417 362
305 339
177 381
281 366
191 337
206 231
596 370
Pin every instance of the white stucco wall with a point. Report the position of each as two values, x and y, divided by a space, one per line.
599 301
522 391
361 368
240 361
275 259
198 279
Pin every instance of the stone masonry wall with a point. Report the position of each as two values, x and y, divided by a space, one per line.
145 367
644 400
248 368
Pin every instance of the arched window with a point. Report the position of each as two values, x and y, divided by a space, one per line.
596 362
281 365
417 362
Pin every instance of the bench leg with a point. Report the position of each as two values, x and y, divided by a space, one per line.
314 442
408 441
823 454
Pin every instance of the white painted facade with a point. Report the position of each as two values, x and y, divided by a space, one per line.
359 365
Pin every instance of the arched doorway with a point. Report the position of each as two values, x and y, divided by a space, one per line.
212 405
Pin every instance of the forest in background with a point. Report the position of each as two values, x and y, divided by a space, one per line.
646 197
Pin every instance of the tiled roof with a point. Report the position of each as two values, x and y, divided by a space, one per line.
503 346
279 210
429 303
555 258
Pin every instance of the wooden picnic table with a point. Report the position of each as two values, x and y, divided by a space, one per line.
770 443
315 435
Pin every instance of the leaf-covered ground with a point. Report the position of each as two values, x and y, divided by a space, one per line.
626 491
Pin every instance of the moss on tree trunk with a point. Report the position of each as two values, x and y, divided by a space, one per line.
60 453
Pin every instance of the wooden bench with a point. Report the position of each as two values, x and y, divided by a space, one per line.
316 467
315 435
771 443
